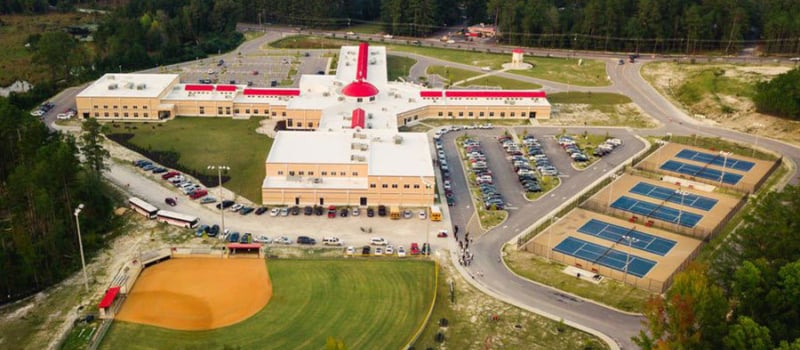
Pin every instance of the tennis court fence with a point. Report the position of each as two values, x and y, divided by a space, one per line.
653 284
653 167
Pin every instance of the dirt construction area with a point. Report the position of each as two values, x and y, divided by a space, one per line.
198 293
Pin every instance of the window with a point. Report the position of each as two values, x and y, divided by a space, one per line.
144 107
502 114
342 173
115 107
491 114
236 111
219 110
394 185
480 114
449 114
441 114
289 123
105 114
385 186
427 186
283 114
116 114
416 186
301 173
280 172
145 115
125 114
324 173
255 111
124 107
135 107
136 114
310 124
360 99
310 173
406 186
227 110
470 114
95 106
512 114
291 173
460 114
274 114
96 114
202 110
355 173
246 110
372 186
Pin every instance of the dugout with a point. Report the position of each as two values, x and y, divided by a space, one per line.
245 250
106 304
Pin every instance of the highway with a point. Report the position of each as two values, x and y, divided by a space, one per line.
496 278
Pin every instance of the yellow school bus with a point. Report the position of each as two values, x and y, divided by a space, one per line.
436 213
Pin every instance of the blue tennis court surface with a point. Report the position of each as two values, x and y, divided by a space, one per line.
598 254
614 233
706 173
674 196
716 159
653 210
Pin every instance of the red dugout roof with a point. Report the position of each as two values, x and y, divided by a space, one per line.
272 92
244 246
495 93
198 87
226 88
108 299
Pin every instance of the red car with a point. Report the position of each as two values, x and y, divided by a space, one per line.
332 211
198 194
170 175
414 249
171 201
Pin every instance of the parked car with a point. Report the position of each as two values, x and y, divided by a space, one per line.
275 211
171 201
343 212
198 193
246 210
283 240
233 237
207 200
378 251
236 207
356 211
261 210
262 239
414 249
213 231
423 214
306 240
349 251
370 212
401 252
318 210
308 210
247 237
295 210
170 175
378 241
389 250
332 212
225 204
284 211
365 250
408 214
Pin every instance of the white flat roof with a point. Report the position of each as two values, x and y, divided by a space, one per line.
310 147
376 65
410 157
129 85
343 183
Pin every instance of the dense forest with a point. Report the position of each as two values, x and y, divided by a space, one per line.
780 96
746 298
41 182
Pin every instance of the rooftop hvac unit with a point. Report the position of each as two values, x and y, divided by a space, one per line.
373 60
362 136
369 125
141 86
111 77
112 86
398 139
129 85
369 116
326 94
341 98
363 146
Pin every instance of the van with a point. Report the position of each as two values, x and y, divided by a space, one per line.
332 241
394 213
436 213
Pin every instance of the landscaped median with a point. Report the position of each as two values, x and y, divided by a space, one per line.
491 215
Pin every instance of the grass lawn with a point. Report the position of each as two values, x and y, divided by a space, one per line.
454 75
376 304
199 144
398 66
590 98
608 292
723 145
547 183
469 325
15 59
589 73
253 35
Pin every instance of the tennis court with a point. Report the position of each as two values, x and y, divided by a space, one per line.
705 173
607 257
674 196
653 210
639 239
716 159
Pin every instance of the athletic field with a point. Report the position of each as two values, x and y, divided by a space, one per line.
367 304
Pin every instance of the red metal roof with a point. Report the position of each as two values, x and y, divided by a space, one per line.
272 92
517 51
430 93
244 246
495 93
108 299
198 87
360 89
363 57
226 88
358 118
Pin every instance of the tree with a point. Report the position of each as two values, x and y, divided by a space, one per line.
746 334
54 50
780 96
92 146
690 316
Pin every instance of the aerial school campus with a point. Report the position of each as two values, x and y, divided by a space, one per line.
638 218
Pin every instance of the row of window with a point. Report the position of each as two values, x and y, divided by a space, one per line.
311 173
124 115
406 186
481 114
291 124
123 107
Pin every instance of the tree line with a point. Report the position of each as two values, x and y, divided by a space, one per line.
780 96
745 298
41 182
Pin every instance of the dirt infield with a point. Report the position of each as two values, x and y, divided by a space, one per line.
198 293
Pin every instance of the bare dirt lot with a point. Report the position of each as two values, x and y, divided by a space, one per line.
195 293
722 93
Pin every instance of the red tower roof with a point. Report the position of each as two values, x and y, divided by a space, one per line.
358 118
360 89
517 51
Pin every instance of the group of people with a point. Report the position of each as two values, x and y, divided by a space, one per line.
465 258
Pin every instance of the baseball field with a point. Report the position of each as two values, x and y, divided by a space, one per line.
376 304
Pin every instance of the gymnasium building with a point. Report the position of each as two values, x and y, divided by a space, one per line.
341 143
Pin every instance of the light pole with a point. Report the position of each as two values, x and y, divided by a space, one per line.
630 240
680 212
219 169
428 221
756 126
724 163
553 219
80 245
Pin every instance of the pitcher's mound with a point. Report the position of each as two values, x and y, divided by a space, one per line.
198 293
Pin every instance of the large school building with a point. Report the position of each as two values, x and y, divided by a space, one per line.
341 143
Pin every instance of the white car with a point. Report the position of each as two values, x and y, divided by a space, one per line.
447 185
378 251
284 211
37 113
283 240
350 251
389 250
378 241
356 211
408 214
274 211
401 252
236 207
262 239
423 214
63 116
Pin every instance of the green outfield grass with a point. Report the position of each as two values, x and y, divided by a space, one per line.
456 75
377 304
200 144
398 66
